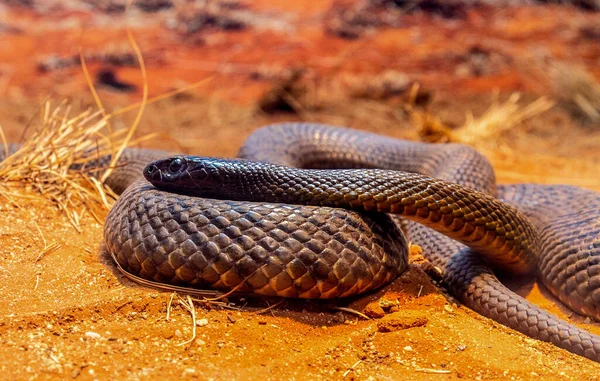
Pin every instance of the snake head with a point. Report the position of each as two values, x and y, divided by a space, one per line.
191 175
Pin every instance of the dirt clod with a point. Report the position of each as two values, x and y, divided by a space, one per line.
374 310
402 320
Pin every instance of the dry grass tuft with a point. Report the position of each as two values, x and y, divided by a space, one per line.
577 89
494 133
499 118
59 162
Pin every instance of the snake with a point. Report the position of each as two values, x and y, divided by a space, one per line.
309 210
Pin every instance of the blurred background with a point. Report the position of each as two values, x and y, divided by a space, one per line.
518 80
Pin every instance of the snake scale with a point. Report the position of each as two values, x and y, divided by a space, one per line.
260 224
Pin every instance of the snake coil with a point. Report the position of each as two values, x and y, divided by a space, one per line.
252 242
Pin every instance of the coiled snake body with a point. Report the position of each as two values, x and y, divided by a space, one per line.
250 241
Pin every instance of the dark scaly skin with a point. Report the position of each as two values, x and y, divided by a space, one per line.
571 274
268 249
572 213
568 219
466 215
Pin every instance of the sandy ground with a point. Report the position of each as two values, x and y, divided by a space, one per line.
70 314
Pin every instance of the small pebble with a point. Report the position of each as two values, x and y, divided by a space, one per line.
92 335
408 348
202 322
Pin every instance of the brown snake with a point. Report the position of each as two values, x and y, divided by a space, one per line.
258 244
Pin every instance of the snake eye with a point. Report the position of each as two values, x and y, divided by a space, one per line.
175 165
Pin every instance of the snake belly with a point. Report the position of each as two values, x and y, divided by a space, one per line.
147 243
